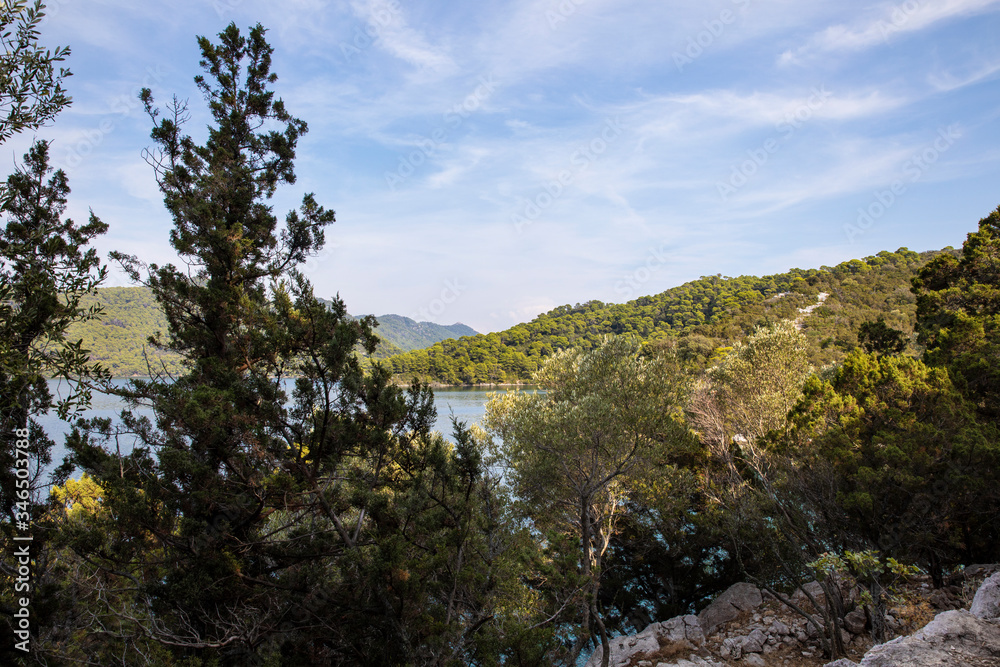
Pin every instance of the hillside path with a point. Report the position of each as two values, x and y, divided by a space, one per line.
807 311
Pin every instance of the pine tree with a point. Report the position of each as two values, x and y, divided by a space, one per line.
958 315
325 524
46 269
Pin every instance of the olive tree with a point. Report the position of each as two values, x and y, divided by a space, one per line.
570 453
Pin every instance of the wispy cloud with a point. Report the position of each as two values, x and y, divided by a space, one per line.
948 81
770 108
386 22
889 20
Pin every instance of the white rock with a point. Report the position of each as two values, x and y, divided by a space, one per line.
732 648
677 629
754 642
986 604
736 599
952 638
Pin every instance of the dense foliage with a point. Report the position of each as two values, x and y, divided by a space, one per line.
31 89
245 525
959 308
572 453
46 271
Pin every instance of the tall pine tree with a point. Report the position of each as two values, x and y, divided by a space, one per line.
325 524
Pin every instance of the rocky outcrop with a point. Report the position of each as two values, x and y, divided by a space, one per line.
681 635
737 599
954 638
986 604
745 627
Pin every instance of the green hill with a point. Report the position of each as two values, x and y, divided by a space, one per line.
118 340
699 317
131 316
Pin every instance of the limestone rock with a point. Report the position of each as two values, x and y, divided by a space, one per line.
732 647
684 630
943 599
855 622
695 661
779 629
754 642
736 599
986 604
953 638
754 660
813 588
843 662
973 571
624 648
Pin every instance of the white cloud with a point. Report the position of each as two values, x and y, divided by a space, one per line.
948 81
385 22
907 16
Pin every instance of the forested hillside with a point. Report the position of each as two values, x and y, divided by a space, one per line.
118 339
700 316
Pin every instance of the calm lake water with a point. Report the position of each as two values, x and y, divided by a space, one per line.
467 404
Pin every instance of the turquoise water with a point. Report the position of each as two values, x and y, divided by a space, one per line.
467 404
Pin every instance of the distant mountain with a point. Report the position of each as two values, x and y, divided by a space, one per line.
131 316
408 334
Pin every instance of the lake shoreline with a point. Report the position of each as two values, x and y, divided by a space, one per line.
503 385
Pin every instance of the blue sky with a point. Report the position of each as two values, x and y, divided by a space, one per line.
489 161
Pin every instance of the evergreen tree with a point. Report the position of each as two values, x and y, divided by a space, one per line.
249 524
958 315
913 467
879 337
46 269
199 486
